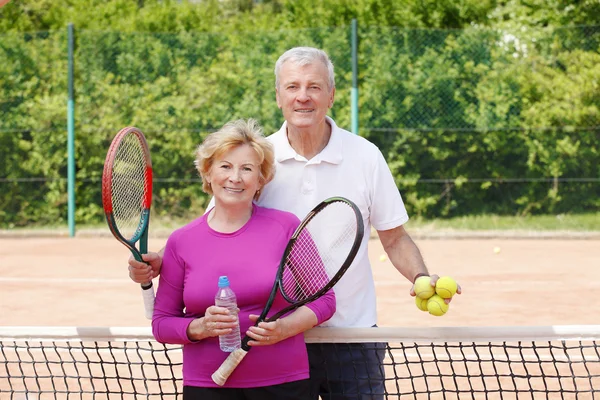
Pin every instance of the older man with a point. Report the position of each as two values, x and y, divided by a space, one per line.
315 159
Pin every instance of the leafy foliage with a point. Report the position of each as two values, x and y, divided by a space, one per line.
478 106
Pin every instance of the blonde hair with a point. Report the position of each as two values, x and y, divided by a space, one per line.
231 135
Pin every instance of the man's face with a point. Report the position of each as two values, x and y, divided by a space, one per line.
303 94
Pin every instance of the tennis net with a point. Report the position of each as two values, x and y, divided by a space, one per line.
555 362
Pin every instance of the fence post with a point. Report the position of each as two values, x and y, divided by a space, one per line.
354 93
71 135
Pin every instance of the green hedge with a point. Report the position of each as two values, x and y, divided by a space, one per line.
475 120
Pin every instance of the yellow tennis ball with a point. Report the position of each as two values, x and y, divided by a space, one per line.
421 303
423 288
446 287
383 258
497 250
437 306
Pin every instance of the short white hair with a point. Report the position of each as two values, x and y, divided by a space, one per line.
302 56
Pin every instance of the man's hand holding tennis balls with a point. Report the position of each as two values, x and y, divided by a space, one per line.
433 294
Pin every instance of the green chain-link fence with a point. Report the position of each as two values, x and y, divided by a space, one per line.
470 121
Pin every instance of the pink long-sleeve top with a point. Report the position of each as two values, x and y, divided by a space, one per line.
195 256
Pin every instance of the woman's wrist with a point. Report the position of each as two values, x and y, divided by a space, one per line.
195 329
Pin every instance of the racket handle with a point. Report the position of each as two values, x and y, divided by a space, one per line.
148 295
231 362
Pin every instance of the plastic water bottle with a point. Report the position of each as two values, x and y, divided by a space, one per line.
226 298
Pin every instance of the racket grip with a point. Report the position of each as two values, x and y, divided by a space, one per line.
148 295
231 362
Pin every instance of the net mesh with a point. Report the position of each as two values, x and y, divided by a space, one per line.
462 363
129 186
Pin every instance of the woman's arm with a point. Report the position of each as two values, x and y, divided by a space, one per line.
303 319
142 272
169 324
267 333
216 321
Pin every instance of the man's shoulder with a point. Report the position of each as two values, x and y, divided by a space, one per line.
356 141
359 147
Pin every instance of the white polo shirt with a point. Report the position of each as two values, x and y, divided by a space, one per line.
352 167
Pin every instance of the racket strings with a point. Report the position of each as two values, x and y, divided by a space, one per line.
319 252
129 186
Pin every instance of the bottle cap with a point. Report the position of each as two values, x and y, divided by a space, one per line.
223 281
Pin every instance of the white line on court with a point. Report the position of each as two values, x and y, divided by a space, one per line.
67 281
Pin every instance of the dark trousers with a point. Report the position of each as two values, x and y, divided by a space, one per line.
344 371
297 390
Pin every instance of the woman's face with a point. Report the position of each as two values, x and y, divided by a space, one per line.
234 176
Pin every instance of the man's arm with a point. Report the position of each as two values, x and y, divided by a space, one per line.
405 256
141 272
403 252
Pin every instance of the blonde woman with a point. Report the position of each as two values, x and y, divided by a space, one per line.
244 241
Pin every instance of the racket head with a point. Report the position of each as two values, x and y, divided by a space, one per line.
127 187
320 251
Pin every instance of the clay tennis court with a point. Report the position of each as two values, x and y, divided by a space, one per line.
60 281
82 281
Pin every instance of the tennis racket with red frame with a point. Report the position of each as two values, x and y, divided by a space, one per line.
316 257
127 196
